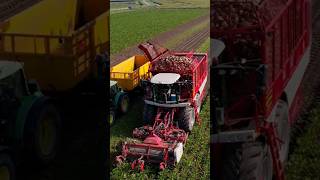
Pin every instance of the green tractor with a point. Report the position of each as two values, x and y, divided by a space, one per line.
119 102
29 121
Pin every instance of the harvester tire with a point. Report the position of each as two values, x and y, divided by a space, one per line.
283 129
186 118
7 167
244 161
149 113
124 103
41 137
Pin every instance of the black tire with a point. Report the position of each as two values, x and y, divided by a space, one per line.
149 113
7 167
112 118
246 161
41 137
123 104
186 118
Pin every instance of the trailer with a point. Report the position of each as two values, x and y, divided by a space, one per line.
256 82
173 98
59 49
131 71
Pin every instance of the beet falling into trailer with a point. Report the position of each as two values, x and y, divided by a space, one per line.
173 97
256 83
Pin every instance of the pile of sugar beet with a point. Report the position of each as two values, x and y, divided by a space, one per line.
174 64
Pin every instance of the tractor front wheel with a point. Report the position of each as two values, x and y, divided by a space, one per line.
112 118
42 131
7 168
186 118
124 103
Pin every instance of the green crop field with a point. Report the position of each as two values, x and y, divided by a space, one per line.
195 162
183 3
304 162
130 28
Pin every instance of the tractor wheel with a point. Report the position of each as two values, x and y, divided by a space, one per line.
112 118
123 103
42 131
282 129
246 161
186 118
149 113
7 168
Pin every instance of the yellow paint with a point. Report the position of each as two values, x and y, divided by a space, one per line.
101 32
46 41
129 72
48 17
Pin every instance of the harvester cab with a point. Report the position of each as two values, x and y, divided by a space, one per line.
29 120
119 101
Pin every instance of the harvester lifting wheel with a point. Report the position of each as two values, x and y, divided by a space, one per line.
243 161
41 134
186 118
124 103
7 169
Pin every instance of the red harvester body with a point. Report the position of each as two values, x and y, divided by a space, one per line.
173 97
257 82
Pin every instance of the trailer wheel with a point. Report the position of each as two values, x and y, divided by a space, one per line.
149 113
246 161
124 103
7 168
112 118
42 131
186 118
283 129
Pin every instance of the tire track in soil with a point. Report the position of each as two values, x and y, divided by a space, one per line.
164 37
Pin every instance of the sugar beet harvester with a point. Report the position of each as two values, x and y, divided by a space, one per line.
173 97
256 84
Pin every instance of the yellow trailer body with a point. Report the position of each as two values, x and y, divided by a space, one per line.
129 72
57 41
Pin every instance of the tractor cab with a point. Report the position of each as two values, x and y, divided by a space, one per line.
167 88
12 88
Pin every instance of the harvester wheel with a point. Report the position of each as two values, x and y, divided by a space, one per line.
42 131
7 168
124 103
283 129
186 118
112 118
246 161
149 113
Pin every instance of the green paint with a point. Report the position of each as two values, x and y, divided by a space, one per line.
25 107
